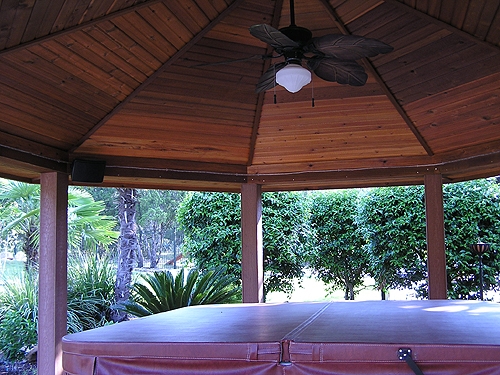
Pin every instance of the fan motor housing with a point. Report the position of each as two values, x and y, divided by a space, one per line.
298 34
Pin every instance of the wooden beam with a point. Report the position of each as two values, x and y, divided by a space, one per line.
164 67
33 159
369 66
33 148
252 258
52 300
278 6
434 215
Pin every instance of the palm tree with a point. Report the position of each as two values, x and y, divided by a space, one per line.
128 247
20 218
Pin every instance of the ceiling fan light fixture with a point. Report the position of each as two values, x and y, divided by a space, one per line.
293 77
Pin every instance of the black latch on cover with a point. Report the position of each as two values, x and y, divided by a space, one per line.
404 354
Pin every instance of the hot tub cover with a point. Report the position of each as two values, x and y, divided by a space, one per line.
445 337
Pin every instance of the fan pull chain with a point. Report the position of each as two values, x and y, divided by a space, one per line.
312 93
274 88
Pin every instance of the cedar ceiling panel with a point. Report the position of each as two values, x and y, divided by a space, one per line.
348 128
477 17
436 61
73 80
24 21
202 106
158 137
466 116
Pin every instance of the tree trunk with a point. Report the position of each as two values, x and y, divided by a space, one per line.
30 250
153 257
128 246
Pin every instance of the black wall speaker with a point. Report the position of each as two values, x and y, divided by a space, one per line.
91 171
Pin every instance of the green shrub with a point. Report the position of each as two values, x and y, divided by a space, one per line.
90 295
18 335
160 291
90 291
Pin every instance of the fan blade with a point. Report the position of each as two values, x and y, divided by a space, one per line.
347 47
333 70
268 79
273 37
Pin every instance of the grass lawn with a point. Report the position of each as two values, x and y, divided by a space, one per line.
10 269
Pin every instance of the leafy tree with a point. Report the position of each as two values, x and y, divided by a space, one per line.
212 227
338 257
285 226
472 215
212 230
157 222
393 221
160 291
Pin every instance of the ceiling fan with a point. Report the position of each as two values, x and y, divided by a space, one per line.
331 57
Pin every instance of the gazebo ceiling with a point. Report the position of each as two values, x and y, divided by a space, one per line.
137 85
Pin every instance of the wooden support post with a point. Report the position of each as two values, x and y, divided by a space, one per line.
52 299
252 258
436 257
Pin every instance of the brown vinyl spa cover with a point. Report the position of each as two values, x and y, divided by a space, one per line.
443 337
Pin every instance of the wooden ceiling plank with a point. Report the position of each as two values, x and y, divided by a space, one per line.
44 110
207 8
142 33
442 23
27 125
494 30
25 44
166 127
173 23
191 109
486 20
434 56
456 94
45 12
42 87
174 116
135 67
377 18
385 88
88 50
459 13
100 8
158 72
65 82
11 32
192 18
86 71
405 47
70 14
136 51
157 23
120 57
427 84
220 101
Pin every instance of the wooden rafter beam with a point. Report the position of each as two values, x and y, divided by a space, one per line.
369 66
260 100
36 149
158 72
